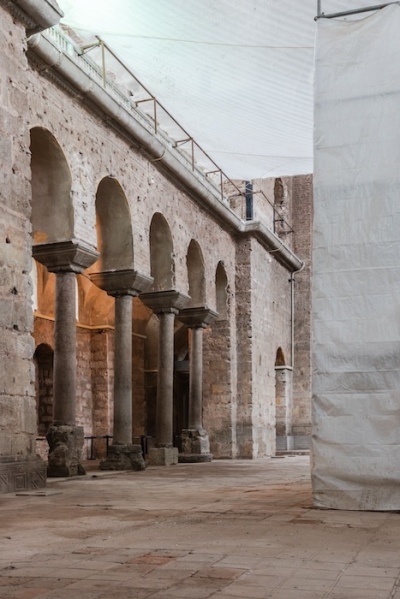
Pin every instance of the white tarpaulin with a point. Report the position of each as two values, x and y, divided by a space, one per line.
356 286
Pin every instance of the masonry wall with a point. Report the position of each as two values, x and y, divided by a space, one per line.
302 206
271 330
17 374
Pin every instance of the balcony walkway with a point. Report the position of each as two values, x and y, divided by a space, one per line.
225 530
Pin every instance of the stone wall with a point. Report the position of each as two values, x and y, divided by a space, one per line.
19 468
302 206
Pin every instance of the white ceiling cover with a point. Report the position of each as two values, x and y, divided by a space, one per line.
237 74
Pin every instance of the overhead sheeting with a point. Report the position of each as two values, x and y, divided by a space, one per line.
238 75
356 279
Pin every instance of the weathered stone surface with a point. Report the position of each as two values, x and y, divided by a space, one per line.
123 457
22 473
65 449
163 456
195 446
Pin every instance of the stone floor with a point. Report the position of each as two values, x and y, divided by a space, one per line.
225 529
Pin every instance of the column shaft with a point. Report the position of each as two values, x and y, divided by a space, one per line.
196 379
164 412
123 371
65 350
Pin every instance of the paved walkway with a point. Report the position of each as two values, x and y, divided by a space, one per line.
224 530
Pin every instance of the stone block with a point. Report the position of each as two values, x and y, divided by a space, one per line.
163 456
123 457
21 473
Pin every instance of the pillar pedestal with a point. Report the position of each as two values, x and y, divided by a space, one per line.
65 450
195 446
66 259
166 304
123 457
122 285
195 441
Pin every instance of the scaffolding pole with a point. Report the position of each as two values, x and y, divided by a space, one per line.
356 11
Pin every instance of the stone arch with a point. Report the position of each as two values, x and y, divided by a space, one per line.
279 192
161 254
113 226
52 208
43 359
196 276
280 358
221 291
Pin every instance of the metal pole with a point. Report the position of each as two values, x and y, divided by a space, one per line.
354 12
155 115
192 155
319 8
103 63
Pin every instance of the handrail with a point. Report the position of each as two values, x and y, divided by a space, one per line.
99 73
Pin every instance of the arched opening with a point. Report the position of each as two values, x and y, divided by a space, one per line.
279 193
52 209
161 254
280 358
43 358
196 278
113 226
221 290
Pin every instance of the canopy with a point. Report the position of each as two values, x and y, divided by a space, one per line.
237 74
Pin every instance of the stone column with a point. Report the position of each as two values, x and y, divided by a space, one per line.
66 259
283 407
122 285
195 441
166 304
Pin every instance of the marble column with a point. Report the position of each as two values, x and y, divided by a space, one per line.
195 441
166 304
66 259
123 285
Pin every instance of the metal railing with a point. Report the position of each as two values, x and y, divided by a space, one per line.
148 110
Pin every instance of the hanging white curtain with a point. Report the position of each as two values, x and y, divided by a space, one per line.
356 286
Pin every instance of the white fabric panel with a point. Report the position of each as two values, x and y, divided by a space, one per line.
356 281
238 74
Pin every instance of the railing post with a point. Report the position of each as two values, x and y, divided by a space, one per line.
155 114
103 63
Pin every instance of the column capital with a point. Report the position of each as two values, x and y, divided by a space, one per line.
122 282
197 317
160 302
65 256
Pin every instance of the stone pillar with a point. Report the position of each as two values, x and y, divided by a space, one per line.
283 406
166 304
66 259
195 441
123 285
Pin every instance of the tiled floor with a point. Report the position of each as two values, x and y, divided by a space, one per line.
224 530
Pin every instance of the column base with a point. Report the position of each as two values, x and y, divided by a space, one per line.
195 446
123 457
163 456
65 449
22 473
